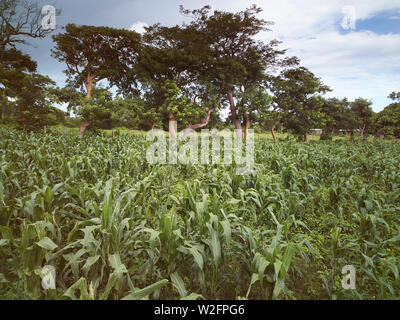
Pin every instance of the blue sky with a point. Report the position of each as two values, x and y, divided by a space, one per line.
382 23
359 62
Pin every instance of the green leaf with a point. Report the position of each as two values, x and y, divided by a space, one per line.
89 262
215 247
47 244
287 259
116 264
279 286
82 285
277 268
193 296
226 225
1 193
178 284
254 279
142 293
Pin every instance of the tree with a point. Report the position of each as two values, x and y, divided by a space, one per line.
394 96
226 53
388 120
34 99
363 114
14 67
338 115
31 92
255 103
297 93
20 19
167 74
92 54
97 111
179 108
126 112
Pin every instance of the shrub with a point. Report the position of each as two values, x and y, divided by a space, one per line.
326 136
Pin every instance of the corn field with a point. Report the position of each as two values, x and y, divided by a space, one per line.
115 227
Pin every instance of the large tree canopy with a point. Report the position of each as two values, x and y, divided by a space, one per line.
93 53
395 96
362 113
168 72
388 120
227 53
297 92
338 115
35 95
32 95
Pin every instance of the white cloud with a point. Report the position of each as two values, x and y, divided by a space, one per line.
354 64
139 27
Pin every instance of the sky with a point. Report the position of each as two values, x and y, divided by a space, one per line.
353 46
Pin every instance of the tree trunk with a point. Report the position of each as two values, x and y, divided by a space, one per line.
203 122
83 127
90 80
306 137
351 135
172 130
247 126
362 131
235 118
273 133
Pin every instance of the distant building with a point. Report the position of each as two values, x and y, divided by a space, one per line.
316 131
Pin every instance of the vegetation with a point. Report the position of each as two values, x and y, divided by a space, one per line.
85 200
187 73
112 224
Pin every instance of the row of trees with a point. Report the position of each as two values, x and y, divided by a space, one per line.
187 73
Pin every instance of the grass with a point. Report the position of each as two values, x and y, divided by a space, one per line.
115 227
260 136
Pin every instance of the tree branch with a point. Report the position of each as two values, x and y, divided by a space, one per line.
203 122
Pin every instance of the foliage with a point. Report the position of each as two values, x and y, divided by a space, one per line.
34 100
388 120
338 115
363 114
326 136
296 91
184 111
92 54
116 227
